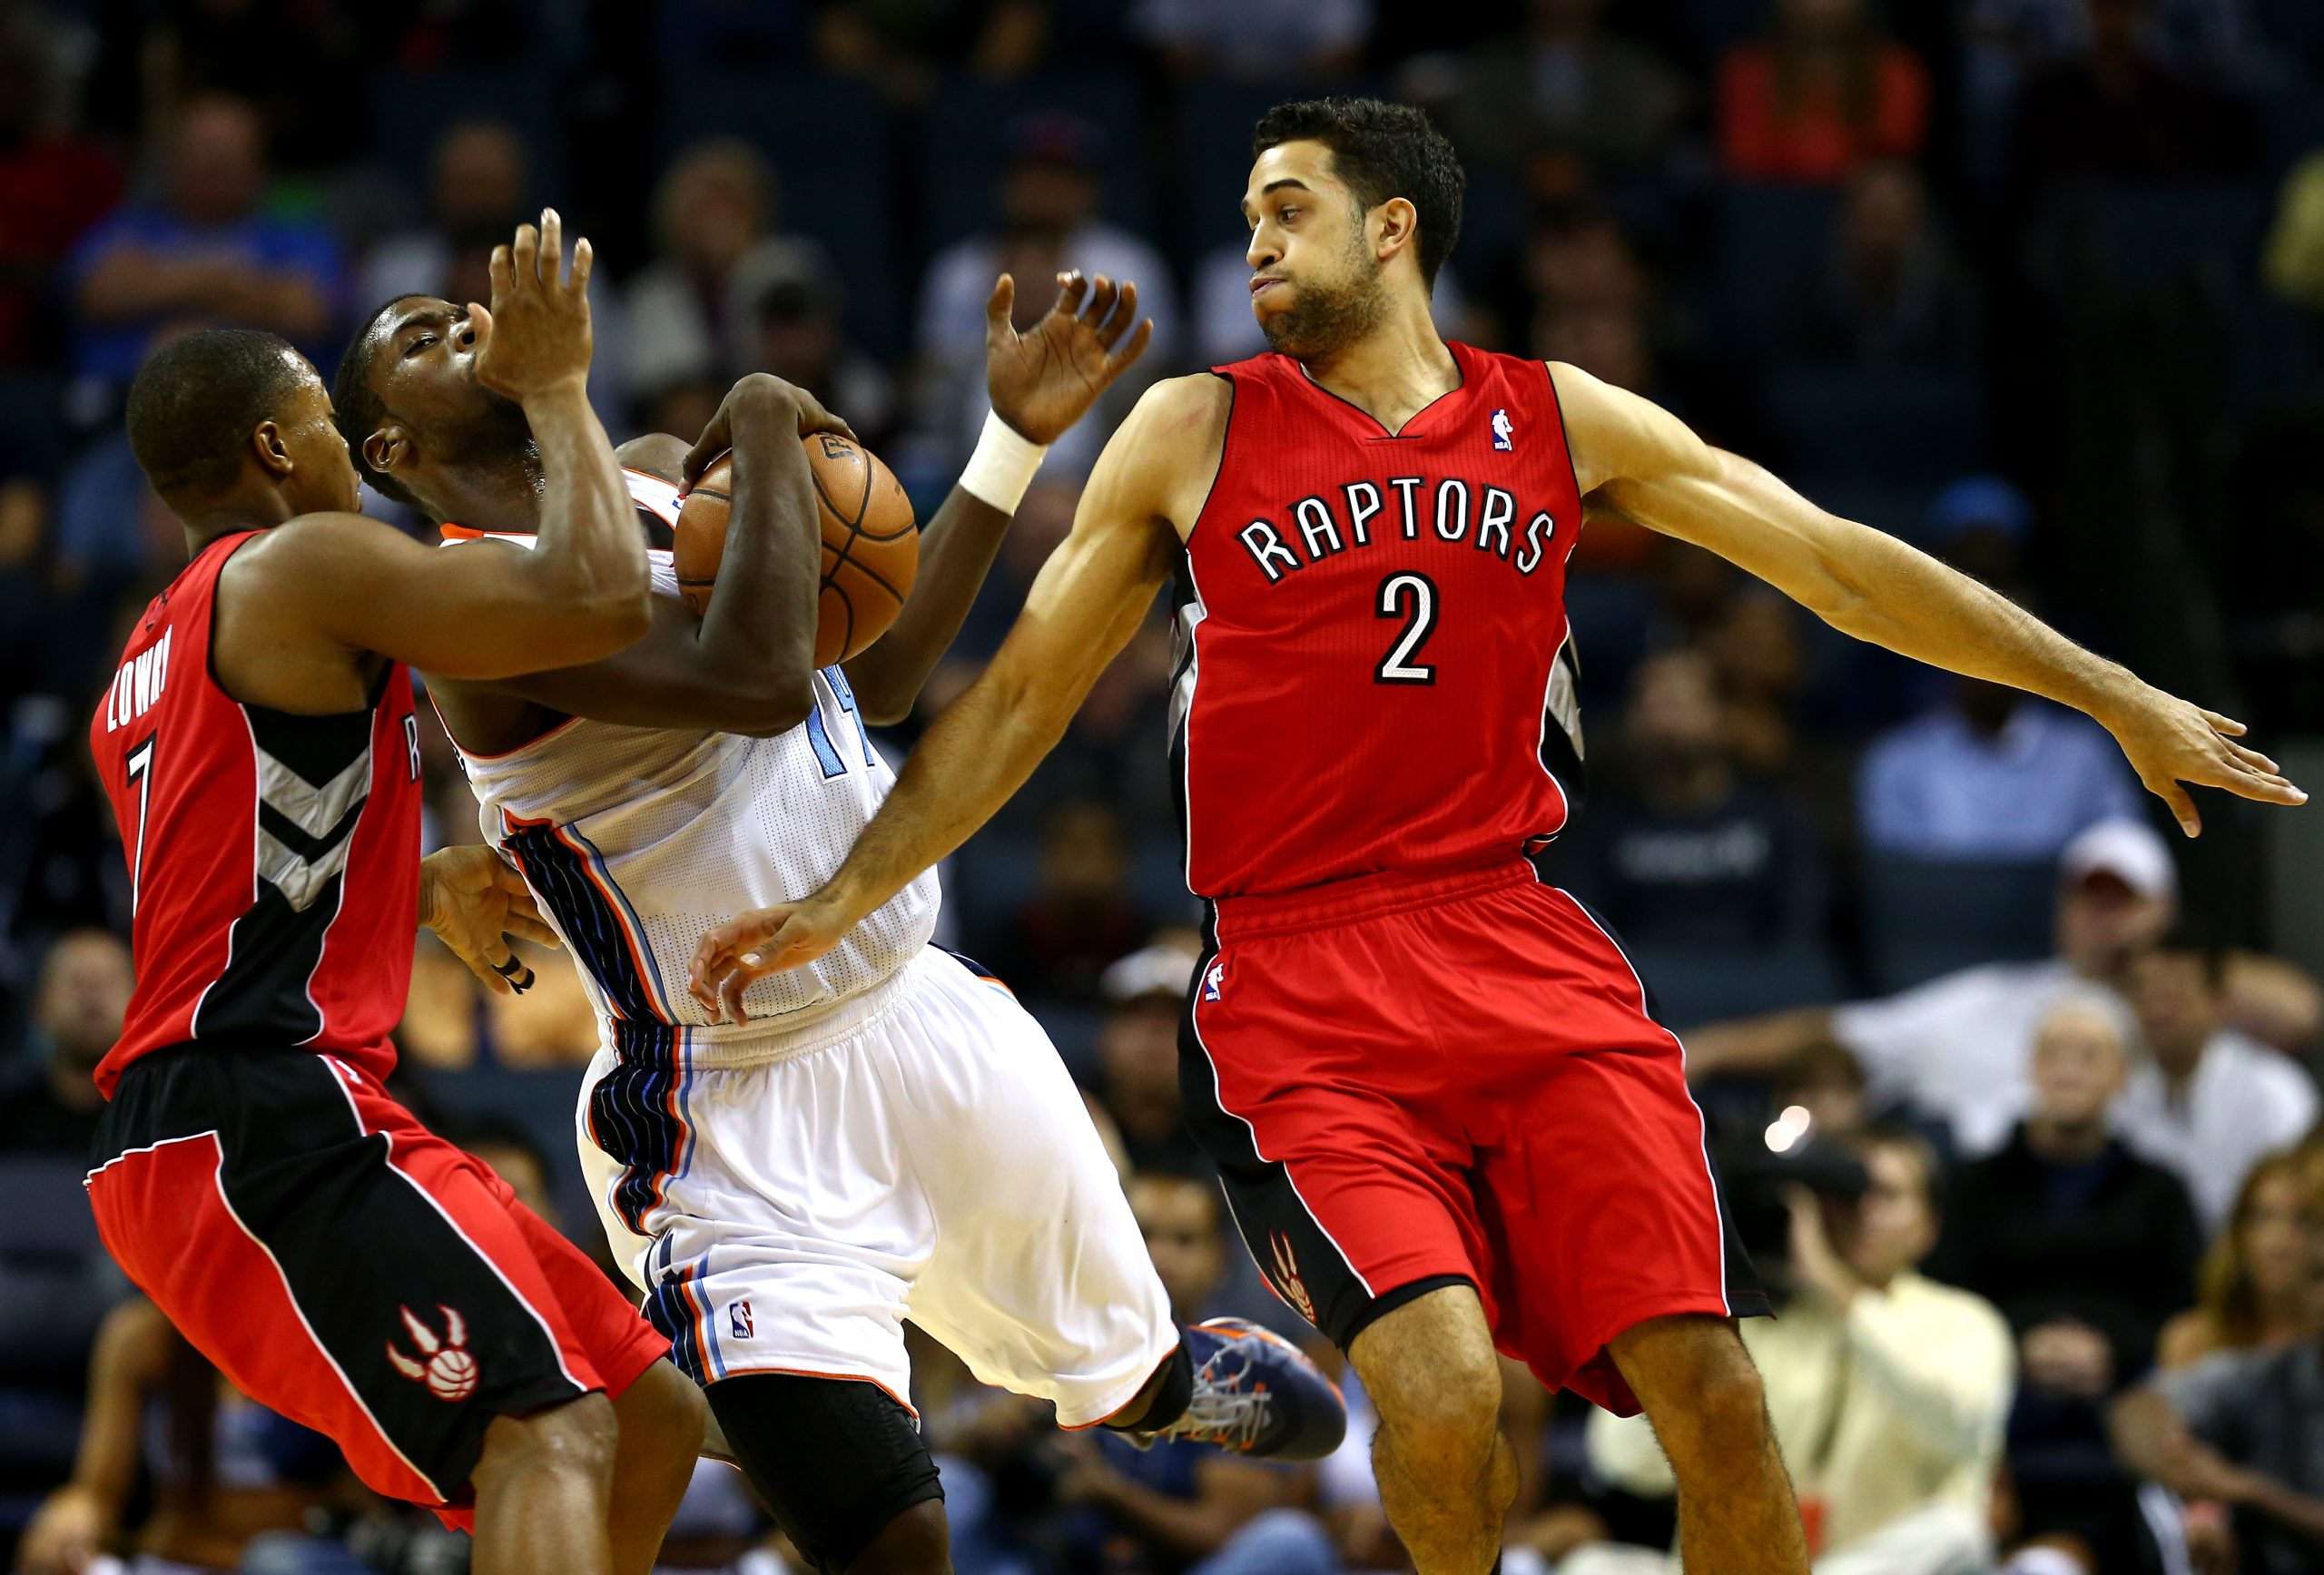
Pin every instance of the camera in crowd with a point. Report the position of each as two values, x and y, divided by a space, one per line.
1761 1165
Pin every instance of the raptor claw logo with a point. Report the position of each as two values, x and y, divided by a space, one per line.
446 1368
1286 1278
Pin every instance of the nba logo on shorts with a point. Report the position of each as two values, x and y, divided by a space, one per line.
1501 442
738 1319
1211 980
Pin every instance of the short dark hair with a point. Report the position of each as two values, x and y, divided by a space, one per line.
1381 151
2185 937
195 402
358 407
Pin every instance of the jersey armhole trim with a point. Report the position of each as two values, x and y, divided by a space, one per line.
1565 441
1225 436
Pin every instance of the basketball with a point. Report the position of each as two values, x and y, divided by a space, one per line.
871 543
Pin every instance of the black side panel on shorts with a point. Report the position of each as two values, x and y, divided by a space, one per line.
1300 1262
835 1458
429 1336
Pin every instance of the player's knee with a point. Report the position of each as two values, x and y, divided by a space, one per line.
916 1542
1430 1370
1445 1410
576 1439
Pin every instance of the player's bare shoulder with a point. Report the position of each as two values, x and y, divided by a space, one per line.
1170 448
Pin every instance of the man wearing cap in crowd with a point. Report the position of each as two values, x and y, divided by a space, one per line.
1957 1048
1138 1057
1989 773
1051 188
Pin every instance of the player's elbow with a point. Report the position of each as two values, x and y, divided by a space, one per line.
609 620
768 710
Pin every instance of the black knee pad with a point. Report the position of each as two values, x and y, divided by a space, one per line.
835 1458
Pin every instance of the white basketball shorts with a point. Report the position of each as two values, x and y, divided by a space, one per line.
918 1153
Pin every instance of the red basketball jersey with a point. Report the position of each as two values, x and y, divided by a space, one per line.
1373 670
273 859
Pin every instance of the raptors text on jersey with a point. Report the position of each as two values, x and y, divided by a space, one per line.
1373 670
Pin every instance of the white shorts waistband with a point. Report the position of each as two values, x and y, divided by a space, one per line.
802 1033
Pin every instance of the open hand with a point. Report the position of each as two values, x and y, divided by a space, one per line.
472 899
535 337
1043 381
753 945
2169 743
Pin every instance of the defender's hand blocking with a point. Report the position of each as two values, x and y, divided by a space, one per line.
536 339
755 944
2169 742
474 901
1043 382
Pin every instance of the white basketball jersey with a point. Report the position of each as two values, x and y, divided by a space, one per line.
637 840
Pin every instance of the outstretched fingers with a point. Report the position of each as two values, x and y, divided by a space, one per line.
552 247
1117 328
1003 302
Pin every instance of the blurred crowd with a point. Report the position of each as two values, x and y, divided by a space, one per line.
2010 1096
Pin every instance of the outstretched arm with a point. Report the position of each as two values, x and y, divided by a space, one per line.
1636 460
1040 384
1082 610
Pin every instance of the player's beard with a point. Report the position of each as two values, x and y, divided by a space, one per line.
1328 316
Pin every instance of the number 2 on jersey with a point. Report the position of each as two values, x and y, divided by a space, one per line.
1411 598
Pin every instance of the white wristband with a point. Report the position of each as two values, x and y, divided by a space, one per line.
1004 466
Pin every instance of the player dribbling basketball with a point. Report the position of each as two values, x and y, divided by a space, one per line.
886 1134
1446 1118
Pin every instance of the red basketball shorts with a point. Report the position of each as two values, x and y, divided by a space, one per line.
1413 1081
345 1267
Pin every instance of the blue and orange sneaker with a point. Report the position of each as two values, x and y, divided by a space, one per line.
1256 1394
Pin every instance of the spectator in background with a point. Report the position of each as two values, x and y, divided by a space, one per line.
1560 84
224 1469
692 311
1080 918
1048 224
1819 94
1890 296
2235 1436
2118 110
295 64
1992 776
2210 1102
2086 1248
2293 265
1955 1050
1292 42
1137 1058
1172 1506
802 338
52 1106
204 256
53 183
1887 1391
1682 852
476 202
2254 1289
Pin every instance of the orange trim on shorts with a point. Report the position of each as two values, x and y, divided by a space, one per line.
811 1372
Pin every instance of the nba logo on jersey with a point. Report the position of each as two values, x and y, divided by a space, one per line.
1502 443
738 1319
1211 980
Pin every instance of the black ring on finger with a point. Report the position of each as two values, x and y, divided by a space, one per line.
510 969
